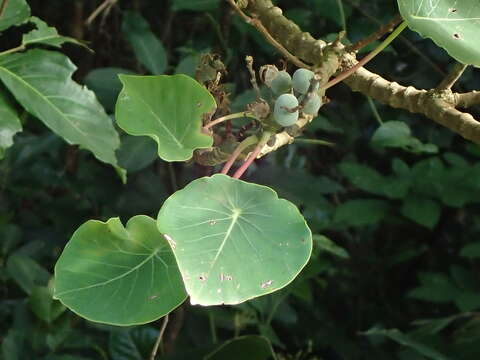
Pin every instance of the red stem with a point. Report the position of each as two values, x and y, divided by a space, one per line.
249 161
236 153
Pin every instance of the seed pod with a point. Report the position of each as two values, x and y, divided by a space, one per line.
312 105
282 83
268 73
301 80
281 112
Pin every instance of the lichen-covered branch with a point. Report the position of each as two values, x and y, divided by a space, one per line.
437 104
301 44
467 100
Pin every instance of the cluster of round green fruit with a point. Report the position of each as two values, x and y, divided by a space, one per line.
292 91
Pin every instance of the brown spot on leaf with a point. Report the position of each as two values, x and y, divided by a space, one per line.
457 36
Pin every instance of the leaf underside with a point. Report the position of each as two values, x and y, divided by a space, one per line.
452 25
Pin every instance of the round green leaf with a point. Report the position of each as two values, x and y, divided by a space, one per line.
116 275
452 25
169 109
233 240
392 134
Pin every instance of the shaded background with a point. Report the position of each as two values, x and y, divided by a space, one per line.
402 282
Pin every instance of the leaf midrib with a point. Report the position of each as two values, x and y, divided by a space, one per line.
179 144
45 99
139 265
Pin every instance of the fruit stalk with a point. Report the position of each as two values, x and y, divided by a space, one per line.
263 140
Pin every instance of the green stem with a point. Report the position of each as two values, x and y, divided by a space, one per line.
342 15
213 330
275 306
367 58
228 117
263 140
3 7
240 148
375 112
173 177
15 49
159 338
218 31
314 142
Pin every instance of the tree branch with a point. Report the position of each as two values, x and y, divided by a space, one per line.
467 100
384 29
438 105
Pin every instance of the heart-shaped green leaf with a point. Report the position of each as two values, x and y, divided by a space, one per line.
9 124
41 81
117 275
233 240
169 109
16 12
452 25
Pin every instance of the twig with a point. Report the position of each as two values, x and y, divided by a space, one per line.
407 42
367 58
253 77
236 153
175 326
314 142
173 177
159 338
3 7
265 137
218 31
105 6
229 117
341 10
213 330
259 26
15 49
452 77
376 35
375 112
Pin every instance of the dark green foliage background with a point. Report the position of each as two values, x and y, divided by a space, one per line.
409 221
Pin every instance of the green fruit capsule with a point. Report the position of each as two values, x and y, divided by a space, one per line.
280 113
282 83
312 105
301 80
